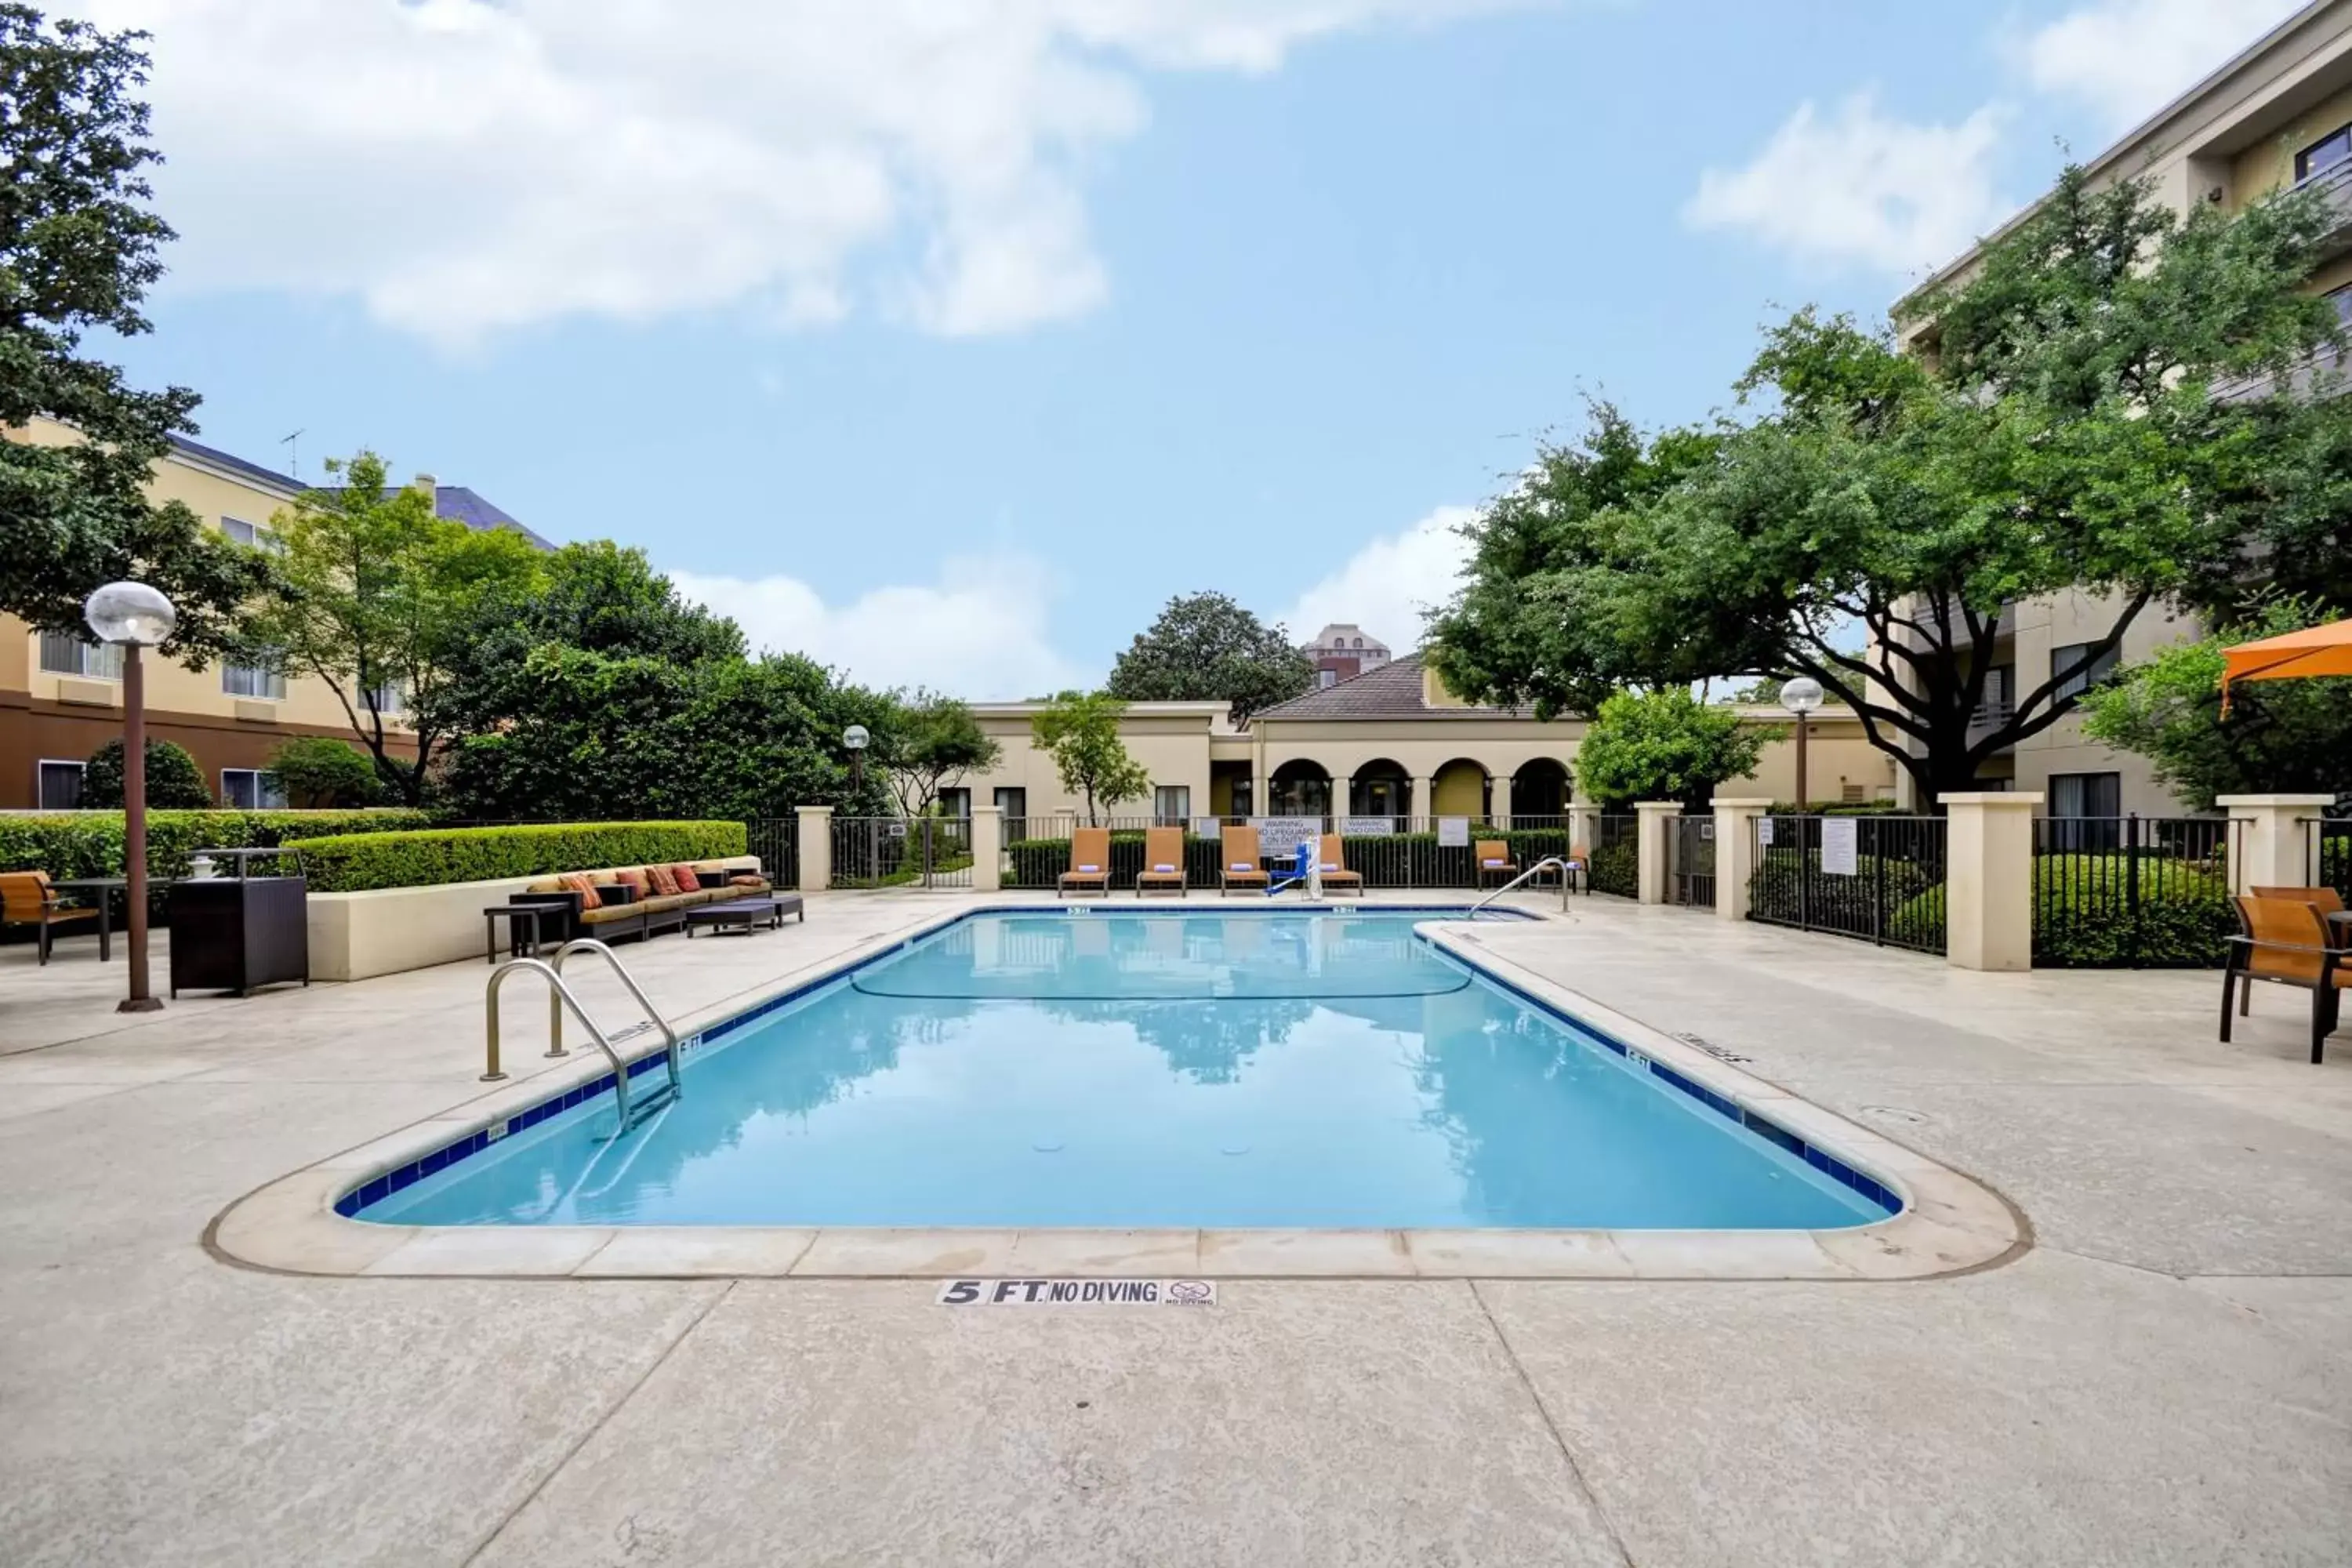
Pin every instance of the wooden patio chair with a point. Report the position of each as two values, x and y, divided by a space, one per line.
26 898
1494 860
1089 862
2286 941
1331 861
2329 901
1163 862
1579 869
1237 861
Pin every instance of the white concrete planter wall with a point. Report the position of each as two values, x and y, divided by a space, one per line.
357 936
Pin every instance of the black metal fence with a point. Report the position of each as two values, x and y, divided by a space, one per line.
776 840
1386 852
1879 878
2327 844
901 852
1693 870
2133 892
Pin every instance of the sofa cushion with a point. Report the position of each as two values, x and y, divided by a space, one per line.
750 883
610 912
578 882
634 878
664 881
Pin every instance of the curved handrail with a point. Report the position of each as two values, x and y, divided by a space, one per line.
563 998
555 1018
1554 861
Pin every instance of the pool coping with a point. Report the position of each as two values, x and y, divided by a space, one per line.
1947 1223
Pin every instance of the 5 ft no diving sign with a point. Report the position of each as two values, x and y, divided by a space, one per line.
1079 1293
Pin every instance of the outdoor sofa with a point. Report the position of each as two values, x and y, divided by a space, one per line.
629 903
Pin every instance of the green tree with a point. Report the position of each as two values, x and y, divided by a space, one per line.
2278 735
1206 648
1868 527
927 743
1080 731
313 770
174 780
78 252
378 598
1665 745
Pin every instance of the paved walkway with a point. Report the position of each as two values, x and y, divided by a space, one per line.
2166 1378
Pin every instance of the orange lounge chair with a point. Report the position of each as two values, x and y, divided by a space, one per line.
1163 862
1237 864
26 898
1494 857
1089 862
1333 864
1579 867
2286 940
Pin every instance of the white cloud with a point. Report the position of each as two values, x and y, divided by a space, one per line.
1861 188
1385 586
469 166
2128 57
979 633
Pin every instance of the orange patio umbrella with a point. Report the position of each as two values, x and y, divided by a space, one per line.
2315 651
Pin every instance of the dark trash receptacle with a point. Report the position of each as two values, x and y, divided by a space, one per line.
235 933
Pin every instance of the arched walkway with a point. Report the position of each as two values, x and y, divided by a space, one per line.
1380 788
1539 789
1299 788
1458 789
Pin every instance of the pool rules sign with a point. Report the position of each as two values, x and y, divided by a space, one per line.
1079 1293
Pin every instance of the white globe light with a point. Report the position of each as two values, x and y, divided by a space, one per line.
854 736
1801 695
130 612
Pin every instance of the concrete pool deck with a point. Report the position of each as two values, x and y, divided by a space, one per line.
2166 1377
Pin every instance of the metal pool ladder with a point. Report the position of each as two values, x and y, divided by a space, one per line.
561 996
1556 862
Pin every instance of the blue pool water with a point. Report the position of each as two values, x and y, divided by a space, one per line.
1259 1068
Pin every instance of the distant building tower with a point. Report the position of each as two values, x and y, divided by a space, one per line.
1341 649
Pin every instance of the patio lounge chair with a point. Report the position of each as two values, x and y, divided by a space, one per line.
1333 865
26 898
2286 940
1579 868
2329 901
1089 862
1494 857
1163 862
1237 864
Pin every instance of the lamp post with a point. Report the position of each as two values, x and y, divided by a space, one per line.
1800 697
856 739
133 616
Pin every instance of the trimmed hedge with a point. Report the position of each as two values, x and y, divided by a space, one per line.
362 862
1384 860
1616 869
2083 918
90 843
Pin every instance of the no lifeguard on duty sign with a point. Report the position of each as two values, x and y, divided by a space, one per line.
1079 1293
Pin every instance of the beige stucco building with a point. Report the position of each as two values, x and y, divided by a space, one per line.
2278 115
61 699
1391 742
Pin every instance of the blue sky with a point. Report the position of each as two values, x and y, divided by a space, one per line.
946 341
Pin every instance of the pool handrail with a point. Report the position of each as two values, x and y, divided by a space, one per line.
559 996
1557 862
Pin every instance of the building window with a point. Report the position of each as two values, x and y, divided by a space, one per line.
386 698
1326 678
1172 805
1015 804
2086 794
1242 793
2065 656
2332 151
249 789
2342 300
62 653
254 534
252 680
60 787
955 803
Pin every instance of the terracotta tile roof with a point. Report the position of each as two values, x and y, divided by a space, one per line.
1392 690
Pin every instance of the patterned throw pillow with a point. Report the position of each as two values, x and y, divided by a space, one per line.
635 881
687 880
748 881
665 885
578 882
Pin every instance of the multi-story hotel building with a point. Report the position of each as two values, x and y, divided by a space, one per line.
2278 115
61 695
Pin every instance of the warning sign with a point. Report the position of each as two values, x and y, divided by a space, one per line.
1079 1293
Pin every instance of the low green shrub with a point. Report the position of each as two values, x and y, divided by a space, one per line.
89 843
172 780
1616 869
2085 916
356 863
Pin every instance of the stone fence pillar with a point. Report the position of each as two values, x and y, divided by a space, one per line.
816 848
1989 880
987 848
1584 826
1654 848
2275 847
1735 852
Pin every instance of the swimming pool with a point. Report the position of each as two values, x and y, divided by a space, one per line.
1240 1068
